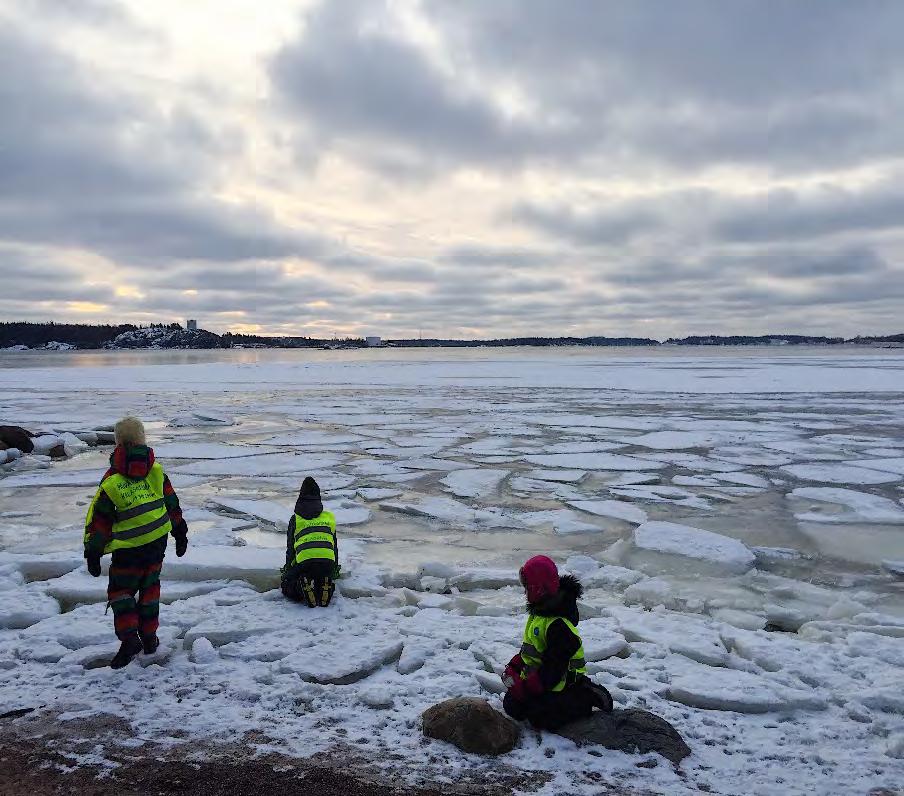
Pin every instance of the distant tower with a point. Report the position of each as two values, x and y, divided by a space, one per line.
192 325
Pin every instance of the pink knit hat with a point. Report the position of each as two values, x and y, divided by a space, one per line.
540 578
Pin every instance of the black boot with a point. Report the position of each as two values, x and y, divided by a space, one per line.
129 648
150 643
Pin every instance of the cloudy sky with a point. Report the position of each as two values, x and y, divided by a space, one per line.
455 169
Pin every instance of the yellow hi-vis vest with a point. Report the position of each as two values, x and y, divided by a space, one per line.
315 538
141 515
535 645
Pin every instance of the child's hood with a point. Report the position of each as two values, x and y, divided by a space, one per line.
563 603
132 461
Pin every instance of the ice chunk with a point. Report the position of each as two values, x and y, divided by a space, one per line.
443 465
378 697
745 479
256 565
692 637
565 476
414 656
662 494
612 577
581 566
720 554
209 450
29 606
886 465
474 483
342 660
270 511
42 566
200 418
376 493
72 444
44 443
863 506
616 509
491 683
450 511
741 692
261 465
202 651
839 474
563 521
593 461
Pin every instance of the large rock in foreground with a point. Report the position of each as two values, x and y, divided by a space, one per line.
472 725
629 731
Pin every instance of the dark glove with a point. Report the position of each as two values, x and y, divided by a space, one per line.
524 688
94 566
181 546
337 572
512 671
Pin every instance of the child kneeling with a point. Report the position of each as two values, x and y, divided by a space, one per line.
312 550
546 681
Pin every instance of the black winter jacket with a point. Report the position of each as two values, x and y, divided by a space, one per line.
307 507
561 643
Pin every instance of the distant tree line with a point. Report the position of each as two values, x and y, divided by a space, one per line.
83 335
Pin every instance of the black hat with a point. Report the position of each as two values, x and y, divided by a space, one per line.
309 487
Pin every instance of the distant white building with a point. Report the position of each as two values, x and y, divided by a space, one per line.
192 325
373 342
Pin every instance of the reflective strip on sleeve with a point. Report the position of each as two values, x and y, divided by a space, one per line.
141 530
137 511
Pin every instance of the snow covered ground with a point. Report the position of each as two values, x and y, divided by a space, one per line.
736 517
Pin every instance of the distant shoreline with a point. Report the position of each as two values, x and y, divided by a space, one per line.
27 336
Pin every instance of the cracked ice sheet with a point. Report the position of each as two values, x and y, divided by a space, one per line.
208 450
264 465
474 483
839 474
862 506
594 461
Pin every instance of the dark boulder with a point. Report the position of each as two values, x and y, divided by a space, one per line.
57 452
472 725
629 731
17 437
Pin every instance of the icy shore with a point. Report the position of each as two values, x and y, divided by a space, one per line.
738 548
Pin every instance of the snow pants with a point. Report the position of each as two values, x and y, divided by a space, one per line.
318 571
134 589
552 709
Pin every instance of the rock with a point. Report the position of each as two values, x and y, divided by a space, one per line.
471 725
631 731
17 437
57 451
105 437
3 445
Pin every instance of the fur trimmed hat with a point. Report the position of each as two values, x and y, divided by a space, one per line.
129 431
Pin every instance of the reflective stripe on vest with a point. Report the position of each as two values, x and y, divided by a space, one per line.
315 538
141 516
535 645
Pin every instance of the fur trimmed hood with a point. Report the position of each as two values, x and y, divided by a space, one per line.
563 603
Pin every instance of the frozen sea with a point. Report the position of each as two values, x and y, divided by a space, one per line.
736 515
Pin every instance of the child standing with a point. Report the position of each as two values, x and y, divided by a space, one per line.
312 550
546 681
134 510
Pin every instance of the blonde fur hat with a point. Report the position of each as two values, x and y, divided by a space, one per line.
129 431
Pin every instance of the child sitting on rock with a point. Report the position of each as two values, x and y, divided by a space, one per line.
312 550
546 681
134 510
